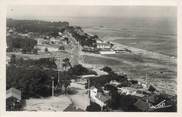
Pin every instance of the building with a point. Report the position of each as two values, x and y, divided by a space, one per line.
24 34
12 92
8 59
54 40
130 91
50 48
99 41
89 49
60 33
107 52
141 105
65 40
114 83
13 100
103 46
95 97
40 41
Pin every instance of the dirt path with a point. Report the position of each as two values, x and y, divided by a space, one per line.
80 100
47 104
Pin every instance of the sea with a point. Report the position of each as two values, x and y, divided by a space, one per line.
157 34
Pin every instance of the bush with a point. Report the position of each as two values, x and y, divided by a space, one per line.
151 88
13 104
134 81
107 69
80 70
93 107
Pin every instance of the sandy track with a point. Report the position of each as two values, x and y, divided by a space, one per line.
47 104
80 99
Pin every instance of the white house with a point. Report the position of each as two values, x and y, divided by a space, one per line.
40 41
99 41
130 91
114 82
93 98
60 33
8 59
54 40
103 46
12 92
107 52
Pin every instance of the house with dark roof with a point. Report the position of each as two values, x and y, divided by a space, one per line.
12 92
13 100
142 105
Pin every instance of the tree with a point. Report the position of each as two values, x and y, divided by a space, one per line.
35 51
33 82
95 36
46 50
24 51
93 107
31 77
61 48
151 88
13 59
134 81
66 63
80 70
107 69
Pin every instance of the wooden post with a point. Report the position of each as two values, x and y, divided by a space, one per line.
88 80
52 86
58 75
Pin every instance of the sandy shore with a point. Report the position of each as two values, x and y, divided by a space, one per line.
147 53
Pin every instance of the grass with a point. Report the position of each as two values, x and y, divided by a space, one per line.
100 61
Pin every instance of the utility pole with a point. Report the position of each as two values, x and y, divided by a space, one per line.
88 80
146 76
58 63
52 78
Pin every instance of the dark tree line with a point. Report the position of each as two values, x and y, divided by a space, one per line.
25 26
83 38
17 42
52 28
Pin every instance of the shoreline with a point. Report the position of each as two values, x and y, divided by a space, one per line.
115 41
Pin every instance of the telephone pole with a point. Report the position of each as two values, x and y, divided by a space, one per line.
52 78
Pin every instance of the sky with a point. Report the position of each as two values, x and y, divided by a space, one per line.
40 12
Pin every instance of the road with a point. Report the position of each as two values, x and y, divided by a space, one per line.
47 104
80 100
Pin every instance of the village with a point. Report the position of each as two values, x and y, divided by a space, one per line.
83 88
